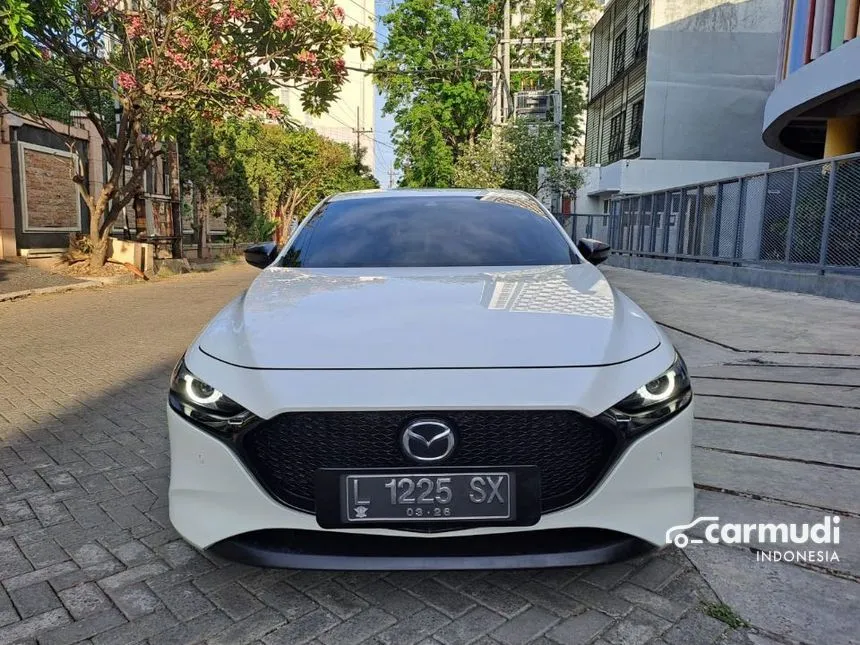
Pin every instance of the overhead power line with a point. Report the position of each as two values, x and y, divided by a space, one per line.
343 123
417 72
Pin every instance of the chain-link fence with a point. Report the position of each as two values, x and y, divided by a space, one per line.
803 216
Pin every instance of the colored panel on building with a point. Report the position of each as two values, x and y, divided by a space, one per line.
837 36
827 26
787 34
817 30
797 53
852 16
810 31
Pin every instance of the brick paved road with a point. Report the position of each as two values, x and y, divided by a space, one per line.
87 553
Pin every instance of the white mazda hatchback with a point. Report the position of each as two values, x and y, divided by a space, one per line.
430 379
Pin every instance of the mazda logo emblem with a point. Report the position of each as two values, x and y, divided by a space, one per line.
427 440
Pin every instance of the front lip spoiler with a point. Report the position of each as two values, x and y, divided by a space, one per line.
327 550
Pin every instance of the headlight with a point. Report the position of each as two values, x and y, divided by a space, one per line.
652 403
203 404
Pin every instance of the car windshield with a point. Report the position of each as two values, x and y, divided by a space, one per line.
493 229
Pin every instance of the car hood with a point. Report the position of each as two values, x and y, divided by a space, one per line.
556 316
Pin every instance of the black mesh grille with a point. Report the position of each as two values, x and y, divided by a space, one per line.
571 451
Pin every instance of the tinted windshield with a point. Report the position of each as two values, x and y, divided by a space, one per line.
430 231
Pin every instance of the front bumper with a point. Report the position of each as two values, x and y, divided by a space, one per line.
215 502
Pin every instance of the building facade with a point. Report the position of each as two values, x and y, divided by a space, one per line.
682 80
350 118
814 111
40 205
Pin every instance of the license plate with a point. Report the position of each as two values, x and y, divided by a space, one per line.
431 496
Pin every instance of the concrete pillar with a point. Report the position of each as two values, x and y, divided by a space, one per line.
8 246
843 136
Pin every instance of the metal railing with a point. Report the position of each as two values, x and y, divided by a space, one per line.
803 217
596 227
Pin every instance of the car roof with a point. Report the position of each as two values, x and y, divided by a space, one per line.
510 197
384 193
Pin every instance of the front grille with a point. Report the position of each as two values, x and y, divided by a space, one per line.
571 451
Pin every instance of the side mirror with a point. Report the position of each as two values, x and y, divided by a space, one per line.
261 255
594 251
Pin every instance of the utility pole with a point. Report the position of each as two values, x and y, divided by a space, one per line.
358 132
502 94
505 94
391 177
559 155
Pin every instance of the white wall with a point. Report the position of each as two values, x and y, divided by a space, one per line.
356 96
647 175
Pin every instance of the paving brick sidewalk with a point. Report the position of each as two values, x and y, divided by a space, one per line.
87 553
19 277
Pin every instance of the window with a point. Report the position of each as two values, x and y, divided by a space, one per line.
616 137
636 125
642 20
619 53
642 25
492 229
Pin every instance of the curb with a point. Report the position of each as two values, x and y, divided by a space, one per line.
90 283
17 295
203 267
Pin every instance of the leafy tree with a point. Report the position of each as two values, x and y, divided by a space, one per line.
437 113
532 146
574 58
17 18
211 164
482 164
289 170
434 71
171 63
362 170
513 161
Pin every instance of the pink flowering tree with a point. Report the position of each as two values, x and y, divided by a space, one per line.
167 64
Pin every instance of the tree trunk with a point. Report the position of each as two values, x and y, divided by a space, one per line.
99 243
99 253
279 231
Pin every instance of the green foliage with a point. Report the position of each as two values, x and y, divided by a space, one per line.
482 165
169 66
435 73
17 18
269 176
261 229
724 613
513 160
532 146
574 57
436 114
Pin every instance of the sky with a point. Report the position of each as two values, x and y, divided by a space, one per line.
382 125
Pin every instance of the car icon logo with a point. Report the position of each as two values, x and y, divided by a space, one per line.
427 440
680 539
